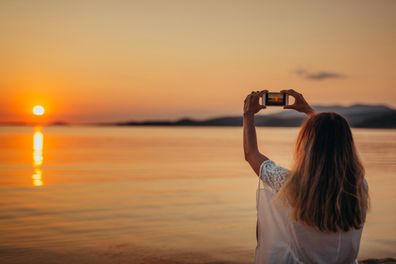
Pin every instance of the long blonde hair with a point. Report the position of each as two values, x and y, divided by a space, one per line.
325 187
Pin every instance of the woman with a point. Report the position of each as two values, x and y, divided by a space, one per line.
315 212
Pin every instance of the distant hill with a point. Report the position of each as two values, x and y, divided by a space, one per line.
359 115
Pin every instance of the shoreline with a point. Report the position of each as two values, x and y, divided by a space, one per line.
127 253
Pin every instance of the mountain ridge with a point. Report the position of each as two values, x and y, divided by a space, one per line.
358 115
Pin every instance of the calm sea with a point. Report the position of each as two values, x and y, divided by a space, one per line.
156 194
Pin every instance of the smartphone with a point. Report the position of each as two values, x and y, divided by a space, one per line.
275 99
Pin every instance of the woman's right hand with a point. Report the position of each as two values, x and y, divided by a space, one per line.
300 104
251 103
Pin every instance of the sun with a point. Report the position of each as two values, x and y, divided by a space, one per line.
38 110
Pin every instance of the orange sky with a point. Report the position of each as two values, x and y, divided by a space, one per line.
117 60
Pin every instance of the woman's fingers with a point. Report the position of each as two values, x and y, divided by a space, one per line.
289 106
263 92
254 95
252 102
291 92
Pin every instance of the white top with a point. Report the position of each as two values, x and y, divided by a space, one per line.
283 240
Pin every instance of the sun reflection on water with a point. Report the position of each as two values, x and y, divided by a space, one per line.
38 141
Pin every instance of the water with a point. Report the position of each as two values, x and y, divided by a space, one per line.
156 194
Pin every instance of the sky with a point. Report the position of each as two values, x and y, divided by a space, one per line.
94 61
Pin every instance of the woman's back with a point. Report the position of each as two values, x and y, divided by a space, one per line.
314 246
284 240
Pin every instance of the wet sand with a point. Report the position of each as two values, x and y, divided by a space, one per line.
124 253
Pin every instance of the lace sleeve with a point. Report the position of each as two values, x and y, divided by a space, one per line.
272 174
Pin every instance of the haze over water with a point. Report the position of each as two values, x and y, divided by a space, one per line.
156 194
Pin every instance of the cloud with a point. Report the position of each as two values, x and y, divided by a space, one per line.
320 75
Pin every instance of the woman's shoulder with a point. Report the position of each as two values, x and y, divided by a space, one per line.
272 174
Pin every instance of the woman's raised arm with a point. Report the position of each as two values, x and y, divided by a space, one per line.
252 153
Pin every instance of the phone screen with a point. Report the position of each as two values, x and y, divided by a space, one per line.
275 99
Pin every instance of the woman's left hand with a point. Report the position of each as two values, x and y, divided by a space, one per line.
252 104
